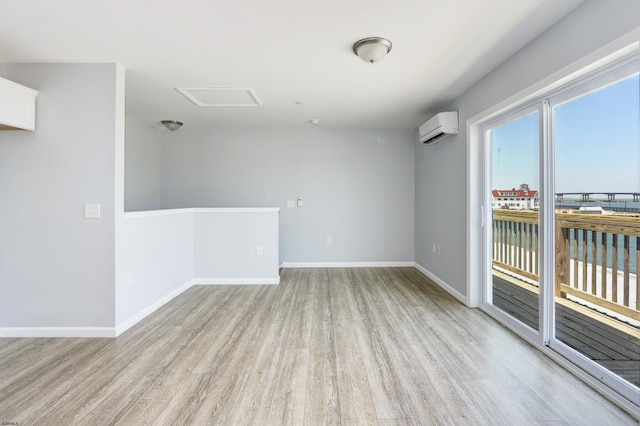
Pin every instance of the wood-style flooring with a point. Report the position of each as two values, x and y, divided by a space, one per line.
327 346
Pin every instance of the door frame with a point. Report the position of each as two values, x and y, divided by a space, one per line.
479 214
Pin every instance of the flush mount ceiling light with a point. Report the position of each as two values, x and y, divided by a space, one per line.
372 49
171 124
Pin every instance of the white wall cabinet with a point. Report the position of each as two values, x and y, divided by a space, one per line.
17 106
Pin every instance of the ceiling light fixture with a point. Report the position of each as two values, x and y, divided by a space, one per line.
171 124
372 49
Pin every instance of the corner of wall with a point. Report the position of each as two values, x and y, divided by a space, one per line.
452 291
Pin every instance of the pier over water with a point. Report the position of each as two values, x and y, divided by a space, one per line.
608 196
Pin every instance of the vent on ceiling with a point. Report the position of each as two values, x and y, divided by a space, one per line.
221 96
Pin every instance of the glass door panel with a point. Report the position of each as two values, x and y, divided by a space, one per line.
514 198
597 211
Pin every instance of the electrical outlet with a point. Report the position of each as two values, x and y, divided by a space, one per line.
259 251
130 277
92 211
329 240
299 202
291 203
435 250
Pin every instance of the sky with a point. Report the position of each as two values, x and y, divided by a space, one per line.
597 142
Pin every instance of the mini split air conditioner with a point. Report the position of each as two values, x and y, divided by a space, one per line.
438 127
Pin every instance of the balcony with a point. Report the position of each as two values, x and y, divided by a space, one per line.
596 287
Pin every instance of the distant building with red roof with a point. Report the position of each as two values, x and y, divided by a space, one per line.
515 199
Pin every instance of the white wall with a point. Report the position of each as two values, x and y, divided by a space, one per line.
155 263
357 186
441 173
164 252
56 267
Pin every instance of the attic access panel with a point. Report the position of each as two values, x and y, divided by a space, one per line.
221 96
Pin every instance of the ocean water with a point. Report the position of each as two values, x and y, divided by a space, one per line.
633 267
624 206
629 207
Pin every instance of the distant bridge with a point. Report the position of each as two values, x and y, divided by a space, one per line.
586 196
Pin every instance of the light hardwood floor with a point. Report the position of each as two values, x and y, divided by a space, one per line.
327 346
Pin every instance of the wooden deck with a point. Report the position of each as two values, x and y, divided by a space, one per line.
615 347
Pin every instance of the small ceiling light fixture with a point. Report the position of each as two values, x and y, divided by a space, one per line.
172 125
372 49
314 121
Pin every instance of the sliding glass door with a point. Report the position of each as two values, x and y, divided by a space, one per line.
596 134
562 179
514 205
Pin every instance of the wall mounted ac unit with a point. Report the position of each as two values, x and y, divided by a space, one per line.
438 127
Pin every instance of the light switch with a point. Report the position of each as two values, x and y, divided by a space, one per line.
291 203
92 211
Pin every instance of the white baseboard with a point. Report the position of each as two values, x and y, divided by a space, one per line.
133 320
92 331
136 318
347 264
236 281
455 293
57 332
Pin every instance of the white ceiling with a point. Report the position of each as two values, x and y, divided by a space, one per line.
287 51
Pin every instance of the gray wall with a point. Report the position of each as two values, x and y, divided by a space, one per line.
441 175
441 209
142 166
357 186
225 246
56 267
